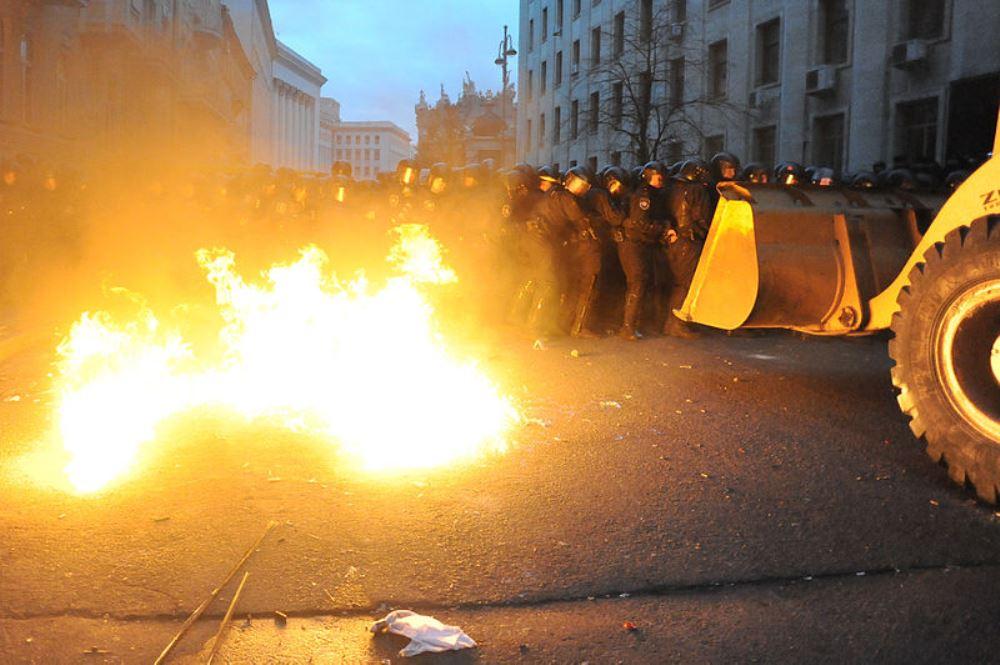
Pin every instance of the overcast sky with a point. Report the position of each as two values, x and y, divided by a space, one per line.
379 54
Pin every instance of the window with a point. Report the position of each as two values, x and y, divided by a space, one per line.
828 141
619 33
559 16
676 78
576 57
357 139
595 46
592 163
916 130
576 8
541 130
718 63
834 24
595 110
713 145
545 75
768 51
531 35
368 139
545 24
378 153
646 20
357 155
574 119
616 158
680 11
556 121
339 139
617 102
368 170
764 145
527 136
378 139
340 153
531 84
712 4
923 19
368 155
557 75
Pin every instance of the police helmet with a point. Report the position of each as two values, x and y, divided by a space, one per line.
578 180
755 173
788 173
693 170
653 174
725 166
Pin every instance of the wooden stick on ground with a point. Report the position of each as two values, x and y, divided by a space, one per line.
225 620
212 596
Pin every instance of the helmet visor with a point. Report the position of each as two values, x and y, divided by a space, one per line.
576 185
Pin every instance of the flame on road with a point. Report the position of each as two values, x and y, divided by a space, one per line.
361 367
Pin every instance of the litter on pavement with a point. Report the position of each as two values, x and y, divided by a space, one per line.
426 634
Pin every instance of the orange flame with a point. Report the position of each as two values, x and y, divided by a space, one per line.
366 369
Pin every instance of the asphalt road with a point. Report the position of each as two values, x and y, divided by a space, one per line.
755 498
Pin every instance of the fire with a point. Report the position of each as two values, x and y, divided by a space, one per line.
364 368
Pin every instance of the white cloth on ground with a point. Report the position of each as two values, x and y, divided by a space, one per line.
425 633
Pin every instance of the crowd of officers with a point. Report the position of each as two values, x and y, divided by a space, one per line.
581 252
566 231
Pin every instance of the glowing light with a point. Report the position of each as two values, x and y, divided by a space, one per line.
365 369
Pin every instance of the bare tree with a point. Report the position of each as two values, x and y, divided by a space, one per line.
640 75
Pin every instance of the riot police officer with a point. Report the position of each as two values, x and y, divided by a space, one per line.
690 208
586 244
646 220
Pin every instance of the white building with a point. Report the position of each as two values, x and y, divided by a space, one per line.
329 118
295 111
842 83
370 147
252 21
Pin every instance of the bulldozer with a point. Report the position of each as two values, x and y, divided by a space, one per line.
838 261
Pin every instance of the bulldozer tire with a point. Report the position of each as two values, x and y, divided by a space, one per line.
946 348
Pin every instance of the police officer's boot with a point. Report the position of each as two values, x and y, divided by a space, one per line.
674 327
630 325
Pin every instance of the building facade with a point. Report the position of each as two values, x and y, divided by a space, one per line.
196 82
842 83
329 118
111 77
475 128
295 111
370 147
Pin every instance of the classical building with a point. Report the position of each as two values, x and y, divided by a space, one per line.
843 83
370 147
470 130
115 77
329 118
252 22
200 81
295 111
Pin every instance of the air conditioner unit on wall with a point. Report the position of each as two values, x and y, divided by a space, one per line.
821 81
908 54
763 99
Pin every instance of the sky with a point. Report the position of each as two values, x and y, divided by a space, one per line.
378 54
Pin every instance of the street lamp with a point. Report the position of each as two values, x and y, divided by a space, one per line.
504 51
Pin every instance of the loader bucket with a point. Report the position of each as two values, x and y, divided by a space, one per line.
802 258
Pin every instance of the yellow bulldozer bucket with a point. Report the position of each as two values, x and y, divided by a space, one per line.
802 258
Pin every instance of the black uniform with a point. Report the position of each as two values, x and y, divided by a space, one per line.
586 235
642 226
691 209
539 221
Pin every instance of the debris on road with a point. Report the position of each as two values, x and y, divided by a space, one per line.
426 634
608 404
574 353
217 642
212 596
280 619
95 651
630 627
